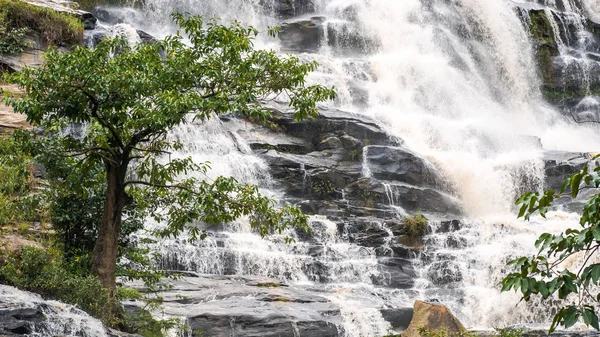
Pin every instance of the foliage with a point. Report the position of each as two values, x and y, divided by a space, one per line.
17 201
54 27
323 188
545 274
42 271
12 40
509 332
416 225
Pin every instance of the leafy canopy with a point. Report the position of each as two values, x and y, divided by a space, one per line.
545 273
123 100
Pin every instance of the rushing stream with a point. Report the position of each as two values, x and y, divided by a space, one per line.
456 81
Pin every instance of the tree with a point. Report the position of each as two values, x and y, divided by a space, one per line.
127 99
544 274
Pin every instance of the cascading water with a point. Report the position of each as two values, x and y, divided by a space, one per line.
36 317
455 80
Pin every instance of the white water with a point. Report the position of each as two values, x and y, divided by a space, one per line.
456 81
57 318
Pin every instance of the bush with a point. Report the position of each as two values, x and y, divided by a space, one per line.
415 227
40 271
54 27
18 203
12 40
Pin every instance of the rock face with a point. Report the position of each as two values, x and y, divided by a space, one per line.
250 306
432 317
567 54
345 166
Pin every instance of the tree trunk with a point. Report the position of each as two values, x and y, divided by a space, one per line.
104 256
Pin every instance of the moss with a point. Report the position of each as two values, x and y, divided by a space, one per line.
56 28
268 285
540 26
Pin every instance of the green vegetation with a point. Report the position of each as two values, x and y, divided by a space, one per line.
323 188
54 27
443 332
12 40
499 332
415 228
545 274
268 285
18 203
416 225
540 26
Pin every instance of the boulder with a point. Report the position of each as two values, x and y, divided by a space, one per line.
432 317
399 318
559 165
400 164
395 273
303 35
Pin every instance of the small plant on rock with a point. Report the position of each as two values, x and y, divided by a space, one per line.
416 227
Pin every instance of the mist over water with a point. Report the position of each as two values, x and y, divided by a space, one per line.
456 80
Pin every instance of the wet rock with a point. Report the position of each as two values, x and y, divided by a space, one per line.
444 272
288 8
400 164
559 165
395 273
372 234
350 143
243 309
432 317
411 198
304 35
330 143
399 318
449 226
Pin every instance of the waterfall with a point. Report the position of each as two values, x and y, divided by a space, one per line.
456 81
45 318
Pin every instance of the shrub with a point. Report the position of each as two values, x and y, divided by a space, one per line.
41 271
54 27
12 40
415 227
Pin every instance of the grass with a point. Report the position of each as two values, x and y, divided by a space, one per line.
56 28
